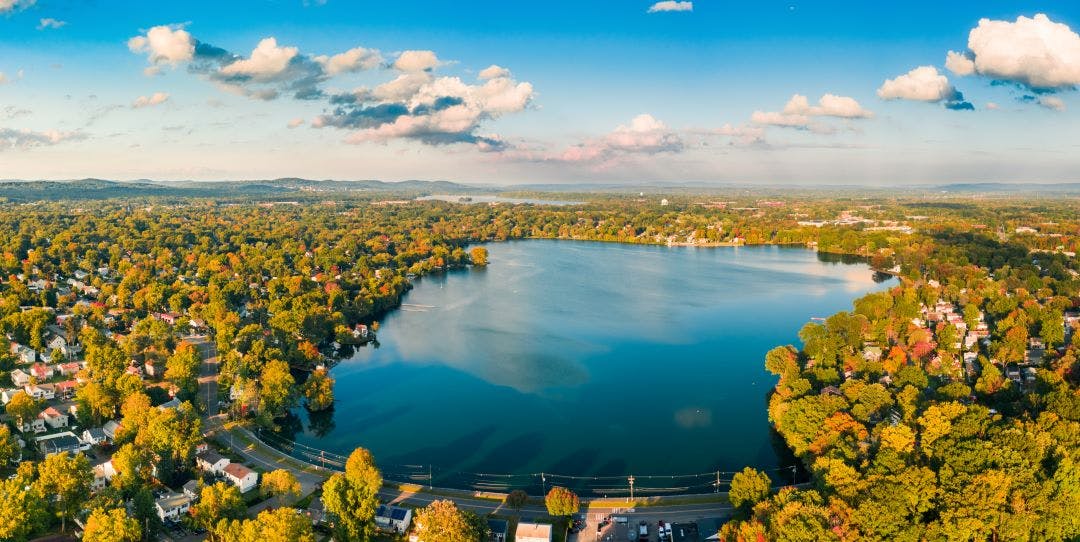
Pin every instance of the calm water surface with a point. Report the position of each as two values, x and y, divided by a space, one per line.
585 359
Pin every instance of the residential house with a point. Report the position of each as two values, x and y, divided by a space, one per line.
171 506
7 395
42 392
171 403
150 369
25 354
103 474
94 436
20 378
393 518
532 532
168 317
41 371
65 389
70 368
110 428
33 425
191 489
59 443
242 477
54 418
498 529
211 461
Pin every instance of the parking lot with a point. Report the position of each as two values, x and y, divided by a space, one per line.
625 526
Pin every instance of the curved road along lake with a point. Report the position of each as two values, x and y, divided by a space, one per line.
589 359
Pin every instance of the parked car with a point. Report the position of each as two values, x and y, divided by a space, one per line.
643 531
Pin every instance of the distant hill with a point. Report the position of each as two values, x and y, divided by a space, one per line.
82 189
1026 188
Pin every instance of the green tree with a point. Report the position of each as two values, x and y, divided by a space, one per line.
748 487
279 483
23 408
277 389
319 390
111 526
21 509
65 479
443 521
217 502
517 499
350 498
182 369
561 501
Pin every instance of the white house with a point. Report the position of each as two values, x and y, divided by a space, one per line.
40 391
191 489
34 425
68 369
94 436
7 395
172 506
26 354
54 418
532 532
393 518
212 462
103 474
41 371
110 428
242 477
19 378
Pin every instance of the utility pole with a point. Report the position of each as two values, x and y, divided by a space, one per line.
631 480
543 484
429 476
794 481
718 481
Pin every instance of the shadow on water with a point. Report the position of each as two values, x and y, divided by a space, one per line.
512 455
321 423
452 454
581 460
848 259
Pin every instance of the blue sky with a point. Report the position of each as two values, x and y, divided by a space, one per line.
581 91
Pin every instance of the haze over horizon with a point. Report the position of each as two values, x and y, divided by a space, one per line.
493 93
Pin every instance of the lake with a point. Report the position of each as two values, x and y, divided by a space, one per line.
584 359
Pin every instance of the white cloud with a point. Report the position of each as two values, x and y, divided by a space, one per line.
4 79
267 61
829 105
298 121
744 133
992 106
922 84
959 63
433 110
416 61
353 60
12 5
164 45
493 71
49 22
156 98
798 113
1052 102
643 135
11 138
671 5
1035 52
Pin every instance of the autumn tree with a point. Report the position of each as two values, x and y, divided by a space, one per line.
478 256
319 390
561 501
182 370
280 483
443 521
350 498
748 487
111 526
65 481
218 501
23 408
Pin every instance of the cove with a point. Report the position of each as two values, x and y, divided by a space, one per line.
585 359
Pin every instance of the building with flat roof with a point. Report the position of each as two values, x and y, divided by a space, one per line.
532 532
